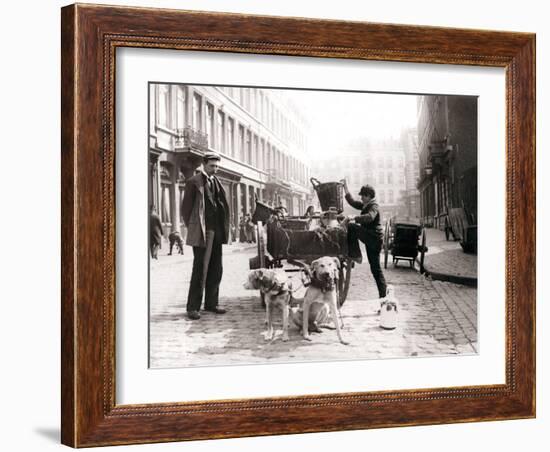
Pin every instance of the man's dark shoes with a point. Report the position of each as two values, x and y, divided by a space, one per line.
193 315
216 310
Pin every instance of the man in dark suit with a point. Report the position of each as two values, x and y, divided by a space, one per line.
368 229
205 212
155 232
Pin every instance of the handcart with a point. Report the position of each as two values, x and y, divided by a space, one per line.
404 238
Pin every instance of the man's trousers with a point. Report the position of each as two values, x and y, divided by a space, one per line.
206 274
373 245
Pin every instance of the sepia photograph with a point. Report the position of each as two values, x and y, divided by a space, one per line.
298 225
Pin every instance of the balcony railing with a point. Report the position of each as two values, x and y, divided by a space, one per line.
189 137
274 176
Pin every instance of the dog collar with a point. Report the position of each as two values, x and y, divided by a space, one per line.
316 282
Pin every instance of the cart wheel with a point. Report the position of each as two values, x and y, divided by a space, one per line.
422 251
386 244
344 280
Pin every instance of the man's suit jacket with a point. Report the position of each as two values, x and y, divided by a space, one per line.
192 210
155 228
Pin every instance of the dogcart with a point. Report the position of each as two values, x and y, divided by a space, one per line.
404 237
292 242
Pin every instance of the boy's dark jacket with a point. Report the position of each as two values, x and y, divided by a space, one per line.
369 218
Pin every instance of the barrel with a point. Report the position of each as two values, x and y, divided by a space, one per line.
330 194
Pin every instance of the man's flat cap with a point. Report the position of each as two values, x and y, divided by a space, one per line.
211 156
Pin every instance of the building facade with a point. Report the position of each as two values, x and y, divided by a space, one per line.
259 134
411 195
447 142
363 161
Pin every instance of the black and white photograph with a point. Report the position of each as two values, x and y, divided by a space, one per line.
293 225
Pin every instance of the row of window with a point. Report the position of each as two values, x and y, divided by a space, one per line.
383 178
387 178
388 161
227 136
381 195
258 104
385 197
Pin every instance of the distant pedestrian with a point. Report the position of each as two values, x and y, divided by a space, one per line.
250 233
310 211
367 229
281 211
155 233
312 224
243 235
175 239
233 230
205 212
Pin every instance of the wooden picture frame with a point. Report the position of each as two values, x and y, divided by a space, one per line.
90 36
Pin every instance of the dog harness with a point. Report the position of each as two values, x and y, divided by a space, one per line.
282 288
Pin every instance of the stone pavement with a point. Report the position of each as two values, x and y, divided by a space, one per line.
188 251
435 318
446 261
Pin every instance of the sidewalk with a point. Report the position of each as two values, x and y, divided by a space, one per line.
445 260
234 247
237 246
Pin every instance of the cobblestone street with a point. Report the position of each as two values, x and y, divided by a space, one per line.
435 318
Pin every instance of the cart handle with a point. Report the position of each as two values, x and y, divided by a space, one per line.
314 182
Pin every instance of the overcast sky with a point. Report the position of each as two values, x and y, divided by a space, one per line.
336 117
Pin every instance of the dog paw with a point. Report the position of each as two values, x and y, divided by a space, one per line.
344 343
285 338
307 338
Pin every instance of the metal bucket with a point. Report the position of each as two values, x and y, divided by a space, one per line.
388 316
330 194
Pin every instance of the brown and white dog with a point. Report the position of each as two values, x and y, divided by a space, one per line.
324 274
277 290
